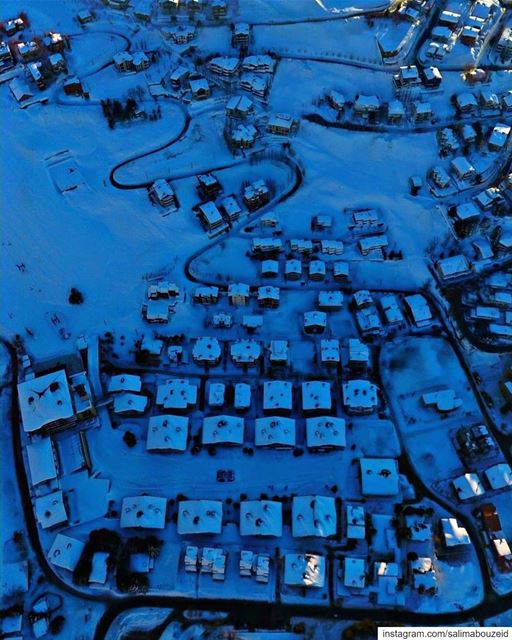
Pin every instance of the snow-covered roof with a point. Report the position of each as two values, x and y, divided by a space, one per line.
268 293
462 166
443 400
454 534
199 516
143 512
315 319
367 103
99 568
499 476
355 570
356 522
198 85
325 431
176 394
65 551
167 432
242 395
245 351
206 349
274 431
261 518
362 298
50 509
223 430
304 570
216 394
224 64
468 486
467 211
238 289
391 309
41 460
419 309
359 395
330 299
44 400
258 63
277 395
128 402
316 395
453 266
239 103
499 135
313 516
358 351
379 476
329 351
124 382
278 350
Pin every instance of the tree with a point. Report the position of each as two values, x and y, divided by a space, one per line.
56 625
130 439
75 296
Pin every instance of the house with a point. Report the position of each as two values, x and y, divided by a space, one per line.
506 101
208 186
210 217
206 295
316 397
330 300
422 111
269 268
407 76
354 576
196 517
314 322
37 74
396 112
358 355
167 433
266 246
85 16
467 486
238 294
379 477
222 320
240 34
73 86
223 430
242 400
277 397
274 431
340 271
499 476
314 516
442 400
499 137
50 510
27 50
179 76
504 44
13 25
65 552
323 222
449 19
254 83
124 382
123 61
41 460
462 168
305 570
268 296
317 270
181 33
281 124
255 195
355 522
207 351
336 100
466 212
453 267
391 310
370 244
366 105
127 403
278 352
224 66
239 107
163 194
261 518
6 59
489 100
199 87
259 64
423 574
231 208
453 534
432 77
176 394
418 310
325 432
440 177
304 247
359 397
293 270
251 322
466 102
368 321
245 352
362 298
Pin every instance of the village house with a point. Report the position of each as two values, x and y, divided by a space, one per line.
359 397
422 111
499 137
223 430
440 177
466 102
239 107
224 66
368 321
259 64
254 83
243 136
489 100
358 355
238 294
336 100
304 570
330 300
27 50
277 397
379 477
304 247
207 351
391 310
57 63
219 9
322 222
276 432
314 322
211 218
261 518
176 394
240 34
179 76
161 192
314 516
255 195
6 59
199 517
432 77
462 168
293 270
245 352
206 295
316 397
130 404
407 76
330 355
418 310
366 105
167 433
396 112
340 271
324 433
199 87
54 42
73 87
278 352
232 210
281 124
181 33
242 399
317 270
268 296
37 74
85 16
208 186
261 247
453 267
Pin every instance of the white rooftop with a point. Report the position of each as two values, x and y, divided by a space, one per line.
44 400
316 395
261 518
199 516
379 476
325 431
304 570
41 460
274 431
65 551
167 432
313 516
223 430
143 512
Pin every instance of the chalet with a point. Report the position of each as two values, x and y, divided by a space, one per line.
224 66
199 517
358 355
407 76
269 268
277 397
245 352
57 63
467 133
359 397
259 64
499 476
488 100
50 510
321 222
317 270
379 477
208 185
252 322
423 575
6 59
222 320
130 404
231 208
41 461
422 111
504 44
162 290
73 86
238 294
54 42
223 430
161 192
85 16
266 246
36 71
279 352
199 87
255 195
240 34
13 25
255 565
448 140
281 124
463 169
239 107
396 112
330 352
270 220
304 570
243 136
123 61
440 177
181 34
207 351
391 310
441 34
418 310
506 101
242 400
499 137
331 247
341 271
368 321
366 105
65 552
261 518
432 77
354 574
254 83
314 516
325 432
330 300
169 6
206 295
466 212
355 522
316 397
167 433
27 50
372 243
268 296
179 76
219 9
453 534
466 102
293 270
176 394
336 100
415 184
362 298
470 35
124 382
314 322
304 247
210 217
276 432
467 486
453 267
443 400
450 19
489 198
